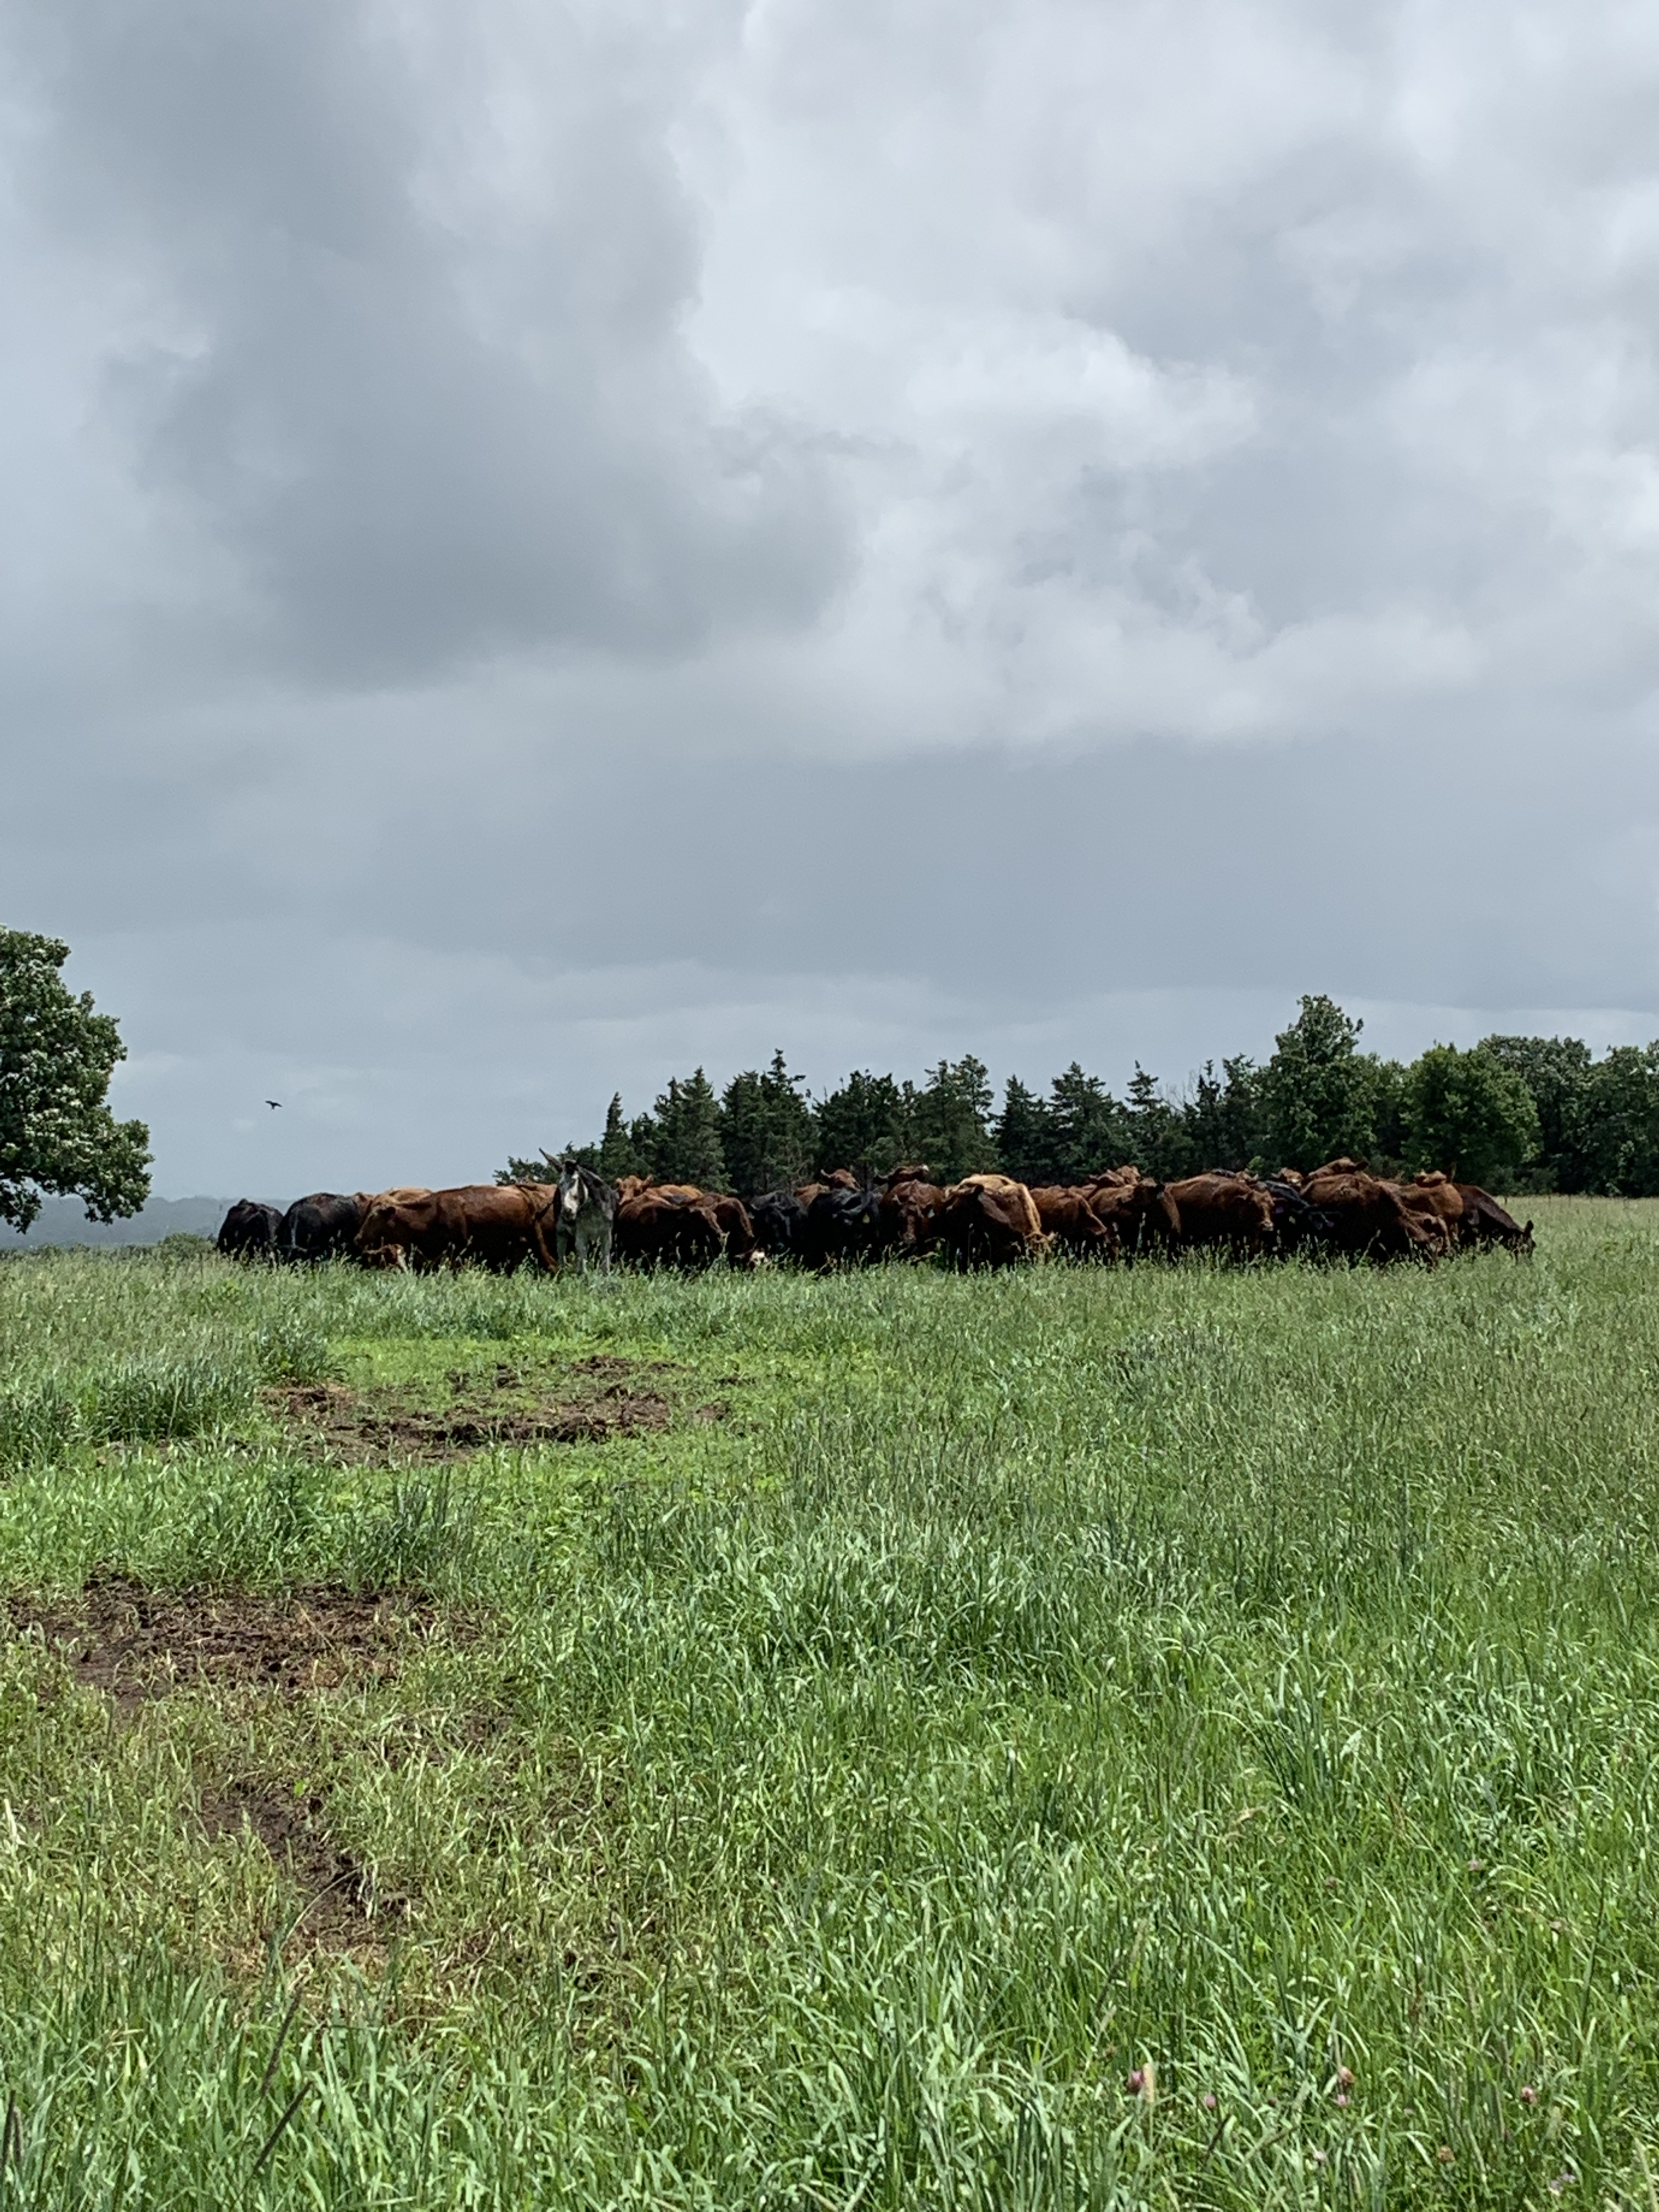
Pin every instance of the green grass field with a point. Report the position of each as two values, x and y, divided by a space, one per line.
1169 1737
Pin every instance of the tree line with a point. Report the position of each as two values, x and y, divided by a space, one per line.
1520 1114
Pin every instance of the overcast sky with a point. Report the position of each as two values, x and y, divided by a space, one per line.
546 544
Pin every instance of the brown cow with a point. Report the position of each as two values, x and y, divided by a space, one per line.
1141 1213
1429 1207
910 1210
676 1227
1224 1212
738 1231
494 1225
1369 1218
1072 1224
1486 1222
989 1221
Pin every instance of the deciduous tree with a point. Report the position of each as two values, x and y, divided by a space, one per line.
57 1054
1468 1115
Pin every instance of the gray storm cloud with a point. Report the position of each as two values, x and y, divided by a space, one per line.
551 543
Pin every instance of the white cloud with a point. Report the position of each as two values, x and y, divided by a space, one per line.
614 492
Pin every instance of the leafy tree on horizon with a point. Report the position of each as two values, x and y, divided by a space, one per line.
1319 1091
58 1135
1468 1114
1611 1137
1555 1070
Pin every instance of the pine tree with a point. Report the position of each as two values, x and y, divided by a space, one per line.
1159 1142
1223 1117
951 1120
1026 1135
686 1137
619 1154
766 1129
1090 1130
868 1124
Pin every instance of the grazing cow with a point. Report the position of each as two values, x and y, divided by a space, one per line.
1367 1220
909 1210
585 1215
1298 1226
1432 1211
989 1221
489 1224
737 1228
779 1216
843 1227
1070 1220
323 1226
249 1230
1142 1214
1072 1224
674 1227
1224 1212
1486 1222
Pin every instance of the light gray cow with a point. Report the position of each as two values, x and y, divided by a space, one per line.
585 1211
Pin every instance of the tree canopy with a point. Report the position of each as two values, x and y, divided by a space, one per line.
1514 1113
58 1054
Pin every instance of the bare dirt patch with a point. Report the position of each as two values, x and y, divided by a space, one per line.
134 1643
338 1900
594 1399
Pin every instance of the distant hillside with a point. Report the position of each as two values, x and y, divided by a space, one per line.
64 1221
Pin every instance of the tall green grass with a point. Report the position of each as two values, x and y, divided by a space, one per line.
1166 1736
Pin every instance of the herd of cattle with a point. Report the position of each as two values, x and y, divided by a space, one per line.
1339 1211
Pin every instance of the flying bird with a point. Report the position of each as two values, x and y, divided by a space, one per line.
273 1102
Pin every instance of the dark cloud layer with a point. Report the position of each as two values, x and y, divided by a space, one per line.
550 543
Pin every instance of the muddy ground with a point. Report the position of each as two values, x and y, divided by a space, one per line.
585 1402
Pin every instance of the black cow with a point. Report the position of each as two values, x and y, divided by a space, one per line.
323 1226
843 1227
1299 1225
249 1230
778 1217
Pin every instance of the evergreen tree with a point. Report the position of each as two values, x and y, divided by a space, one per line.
1223 1117
1160 1142
619 1151
1026 1135
766 1129
950 1120
1318 1092
57 1055
1089 1129
868 1124
685 1140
